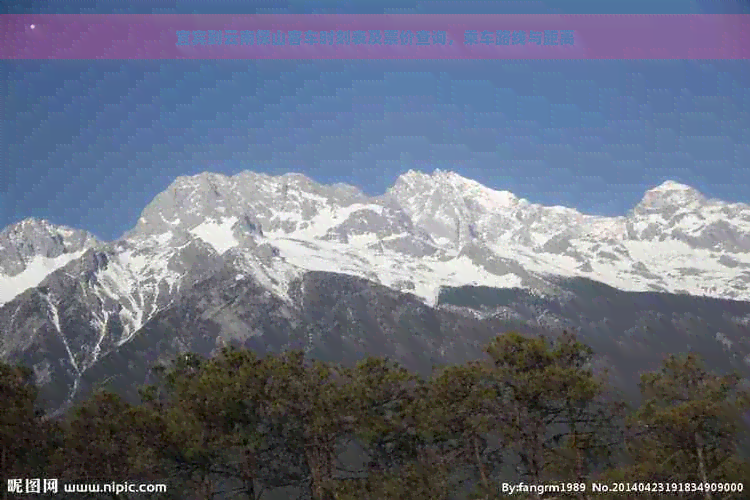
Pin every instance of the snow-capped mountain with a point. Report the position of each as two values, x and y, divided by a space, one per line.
65 292
427 231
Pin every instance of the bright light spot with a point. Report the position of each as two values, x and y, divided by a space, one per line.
32 26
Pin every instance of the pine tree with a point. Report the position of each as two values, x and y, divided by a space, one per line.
548 399
104 439
381 391
26 437
687 430
389 413
313 396
190 441
459 413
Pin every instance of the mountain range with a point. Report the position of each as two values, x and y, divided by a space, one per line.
425 273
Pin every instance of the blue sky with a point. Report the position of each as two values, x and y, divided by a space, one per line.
90 143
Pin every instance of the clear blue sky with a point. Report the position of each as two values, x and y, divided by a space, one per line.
90 143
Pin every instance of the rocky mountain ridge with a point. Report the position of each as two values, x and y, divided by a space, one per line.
426 231
211 251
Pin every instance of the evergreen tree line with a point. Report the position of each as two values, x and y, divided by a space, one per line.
240 426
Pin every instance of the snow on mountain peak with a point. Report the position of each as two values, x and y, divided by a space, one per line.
674 211
410 177
33 248
446 174
296 176
468 187
32 236
28 224
672 186
670 194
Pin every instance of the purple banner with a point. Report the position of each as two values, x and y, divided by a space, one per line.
350 36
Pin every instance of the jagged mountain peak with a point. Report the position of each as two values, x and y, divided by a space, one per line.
448 175
201 181
670 194
669 186
206 175
448 178
437 174
211 205
33 248
296 176
33 236
254 181
32 224
675 190
29 221
675 211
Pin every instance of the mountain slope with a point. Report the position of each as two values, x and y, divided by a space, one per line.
343 318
